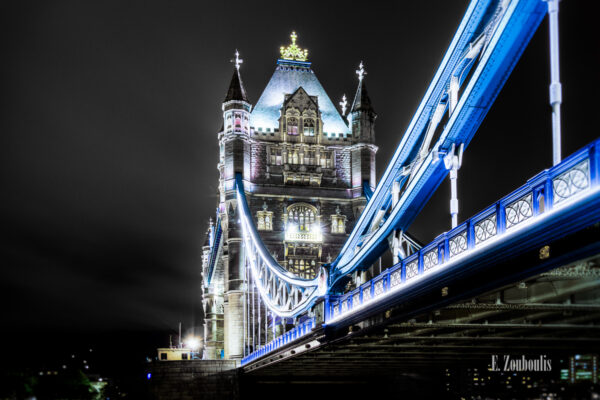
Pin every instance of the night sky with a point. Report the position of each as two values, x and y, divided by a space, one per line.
109 149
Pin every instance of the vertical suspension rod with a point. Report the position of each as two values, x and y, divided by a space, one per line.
253 318
244 307
555 85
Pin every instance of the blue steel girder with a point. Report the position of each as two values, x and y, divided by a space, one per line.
508 41
216 247
550 221
410 140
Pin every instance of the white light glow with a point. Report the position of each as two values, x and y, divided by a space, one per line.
192 343
316 229
292 228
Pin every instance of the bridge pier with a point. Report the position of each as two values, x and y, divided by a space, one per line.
234 300
213 326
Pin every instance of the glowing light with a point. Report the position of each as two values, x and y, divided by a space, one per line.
193 343
292 228
237 60
293 52
316 229
344 104
361 71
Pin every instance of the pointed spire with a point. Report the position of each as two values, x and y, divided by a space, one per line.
362 102
236 87
344 105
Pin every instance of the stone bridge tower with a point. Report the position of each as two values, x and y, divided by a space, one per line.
304 165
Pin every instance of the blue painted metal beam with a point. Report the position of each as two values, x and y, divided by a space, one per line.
553 205
468 29
510 38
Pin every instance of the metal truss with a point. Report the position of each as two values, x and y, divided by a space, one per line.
284 293
488 42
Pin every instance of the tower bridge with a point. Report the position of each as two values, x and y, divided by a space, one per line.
292 267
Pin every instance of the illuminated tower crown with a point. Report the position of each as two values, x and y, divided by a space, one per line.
293 52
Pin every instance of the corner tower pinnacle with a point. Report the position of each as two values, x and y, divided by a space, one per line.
236 90
362 113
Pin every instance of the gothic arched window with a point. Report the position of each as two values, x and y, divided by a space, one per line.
302 215
309 127
292 126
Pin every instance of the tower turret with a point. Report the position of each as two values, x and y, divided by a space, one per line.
362 113
236 128
361 119
236 107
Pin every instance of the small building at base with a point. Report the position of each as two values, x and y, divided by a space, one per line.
175 354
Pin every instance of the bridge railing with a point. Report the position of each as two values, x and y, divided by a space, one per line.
552 188
297 332
489 42
578 175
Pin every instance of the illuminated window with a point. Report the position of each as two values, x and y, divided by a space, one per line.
338 222
303 215
265 220
292 126
292 157
309 127
303 268
327 159
275 156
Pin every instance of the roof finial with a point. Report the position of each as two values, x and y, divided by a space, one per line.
293 52
361 71
344 104
237 61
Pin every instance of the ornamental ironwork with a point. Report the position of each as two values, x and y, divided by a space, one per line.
395 278
485 229
412 269
519 210
366 294
430 259
355 300
458 244
571 182
293 52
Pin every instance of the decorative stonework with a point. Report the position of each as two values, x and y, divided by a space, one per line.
338 222
289 164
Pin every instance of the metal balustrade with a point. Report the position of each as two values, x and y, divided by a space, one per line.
489 41
296 333
558 186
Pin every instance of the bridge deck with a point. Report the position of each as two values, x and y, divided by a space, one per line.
499 248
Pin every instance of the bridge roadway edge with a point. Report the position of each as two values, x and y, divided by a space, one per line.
528 242
571 236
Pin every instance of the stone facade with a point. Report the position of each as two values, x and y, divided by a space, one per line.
304 166
193 380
